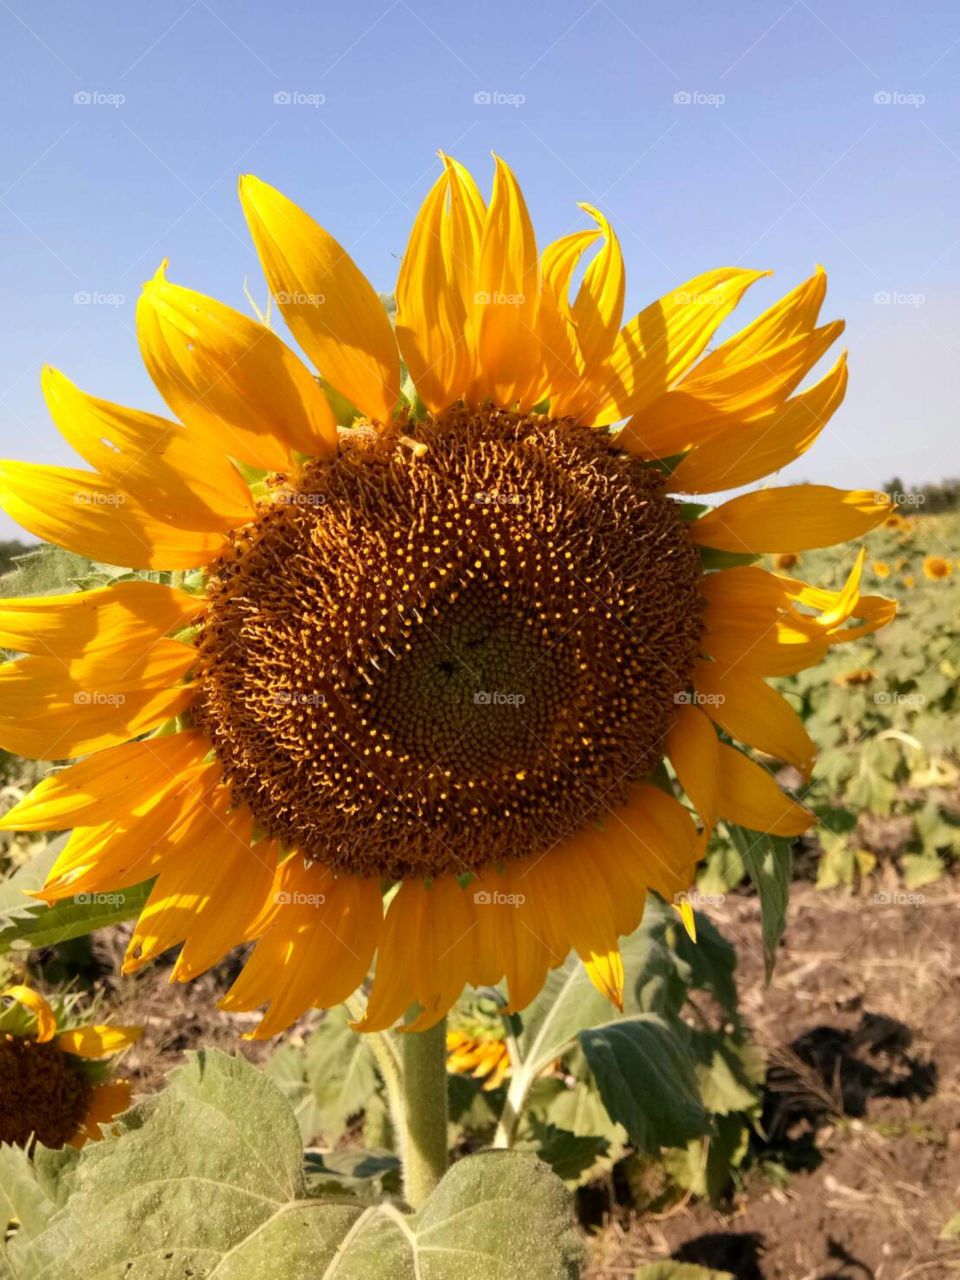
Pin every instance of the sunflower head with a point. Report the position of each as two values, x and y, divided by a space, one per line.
936 568
55 1088
454 679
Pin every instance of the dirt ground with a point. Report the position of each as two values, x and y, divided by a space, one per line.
862 1031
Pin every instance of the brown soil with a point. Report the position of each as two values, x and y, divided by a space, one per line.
860 1025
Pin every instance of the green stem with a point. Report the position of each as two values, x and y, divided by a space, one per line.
384 1049
425 1107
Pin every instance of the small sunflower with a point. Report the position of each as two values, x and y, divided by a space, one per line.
54 1088
936 568
484 1057
431 636
881 569
909 581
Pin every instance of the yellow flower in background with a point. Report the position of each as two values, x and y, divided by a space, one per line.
860 675
897 521
881 568
54 1088
405 697
909 581
936 567
483 1058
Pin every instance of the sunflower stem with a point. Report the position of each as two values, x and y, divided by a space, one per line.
425 1111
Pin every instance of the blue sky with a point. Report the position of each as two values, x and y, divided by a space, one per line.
775 134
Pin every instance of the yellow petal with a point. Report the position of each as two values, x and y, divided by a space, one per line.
431 315
792 315
507 296
173 473
97 1041
331 308
230 379
746 451
87 514
107 1101
314 948
117 619
694 753
123 780
34 1001
750 797
741 702
52 710
598 309
793 518
658 346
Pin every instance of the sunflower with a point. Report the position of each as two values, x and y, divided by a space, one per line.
484 1057
881 569
936 568
428 636
53 1087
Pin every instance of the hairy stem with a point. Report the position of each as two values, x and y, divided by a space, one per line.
425 1110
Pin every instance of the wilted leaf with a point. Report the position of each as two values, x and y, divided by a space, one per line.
769 863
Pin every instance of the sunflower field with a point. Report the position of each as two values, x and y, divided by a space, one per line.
409 760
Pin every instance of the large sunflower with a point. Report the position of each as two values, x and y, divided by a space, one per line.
436 660
55 1087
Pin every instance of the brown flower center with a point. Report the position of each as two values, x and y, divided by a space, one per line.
425 661
42 1093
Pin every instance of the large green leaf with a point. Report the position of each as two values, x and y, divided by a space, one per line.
207 1181
769 863
647 1081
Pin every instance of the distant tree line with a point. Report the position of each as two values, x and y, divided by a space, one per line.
926 498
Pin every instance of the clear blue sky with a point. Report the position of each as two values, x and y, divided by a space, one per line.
783 157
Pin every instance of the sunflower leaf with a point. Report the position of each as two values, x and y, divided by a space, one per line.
647 1081
26 923
207 1179
769 863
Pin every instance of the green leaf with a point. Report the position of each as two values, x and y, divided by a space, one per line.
206 1179
43 572
769 863
328 1081
646 1080
569 1155
34 924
